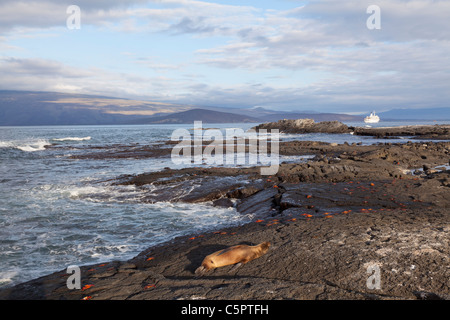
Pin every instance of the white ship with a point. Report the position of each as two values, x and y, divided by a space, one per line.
373 118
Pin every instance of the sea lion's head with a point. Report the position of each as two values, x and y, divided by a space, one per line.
264 247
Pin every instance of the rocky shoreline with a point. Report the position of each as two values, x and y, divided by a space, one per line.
435 132
431 132
304 126
329 221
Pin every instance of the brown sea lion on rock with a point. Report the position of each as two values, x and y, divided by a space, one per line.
239 255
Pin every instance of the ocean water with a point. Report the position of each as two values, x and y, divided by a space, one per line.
56 211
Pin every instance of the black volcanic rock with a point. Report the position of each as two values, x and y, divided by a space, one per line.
327 222
423 131
305 126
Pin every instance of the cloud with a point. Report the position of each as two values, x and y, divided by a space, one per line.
401 20
53 13
380 92
39 67
406 63
333 26
49 75
194 25
154 64
175 16
397 66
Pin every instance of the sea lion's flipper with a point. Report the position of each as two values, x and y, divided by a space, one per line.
235 267
200 271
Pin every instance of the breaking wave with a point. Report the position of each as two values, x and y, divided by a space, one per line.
27 146
72 139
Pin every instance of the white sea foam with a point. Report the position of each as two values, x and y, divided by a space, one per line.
4 144
27 146
72 139
6 277
38 145
90 193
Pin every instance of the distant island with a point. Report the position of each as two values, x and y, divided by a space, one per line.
30 108
206 116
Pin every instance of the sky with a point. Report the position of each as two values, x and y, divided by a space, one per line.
281 55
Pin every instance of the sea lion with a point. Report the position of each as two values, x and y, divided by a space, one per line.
240 254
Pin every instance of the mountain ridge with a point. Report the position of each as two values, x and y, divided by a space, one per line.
22 108
204 115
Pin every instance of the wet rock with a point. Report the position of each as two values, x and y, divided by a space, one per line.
422 295
260 204
292 199
245 191
223 202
